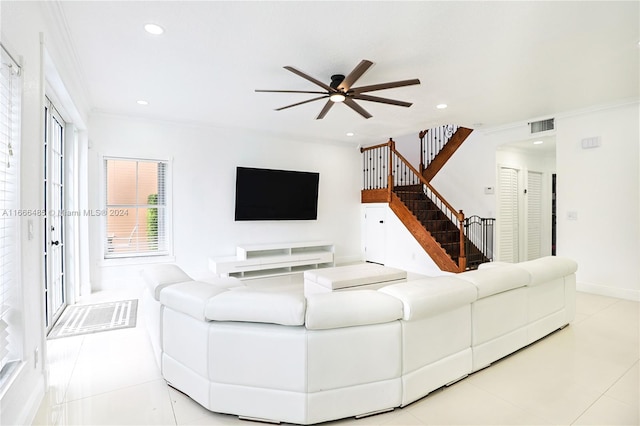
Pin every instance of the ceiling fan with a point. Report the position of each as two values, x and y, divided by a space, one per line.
340 90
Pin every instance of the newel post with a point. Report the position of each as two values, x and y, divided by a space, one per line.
462 259
392 148
421 135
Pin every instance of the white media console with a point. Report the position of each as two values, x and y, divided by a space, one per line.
261 260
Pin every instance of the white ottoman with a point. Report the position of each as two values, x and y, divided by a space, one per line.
351 277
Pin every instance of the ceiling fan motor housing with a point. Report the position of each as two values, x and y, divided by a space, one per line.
336 79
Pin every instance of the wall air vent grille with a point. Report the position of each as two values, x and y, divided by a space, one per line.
542 125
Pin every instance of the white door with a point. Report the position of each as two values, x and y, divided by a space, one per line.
374 234
534 215
54 250
508 215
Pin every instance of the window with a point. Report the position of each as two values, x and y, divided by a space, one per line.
136 208
10 215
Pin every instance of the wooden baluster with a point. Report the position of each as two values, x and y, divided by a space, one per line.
392 148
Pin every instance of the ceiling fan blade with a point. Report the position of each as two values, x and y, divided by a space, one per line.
381 100
303 102
383 86
311 79
357 108
289 91
325 109
354 75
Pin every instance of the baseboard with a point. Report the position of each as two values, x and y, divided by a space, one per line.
603 290
26 413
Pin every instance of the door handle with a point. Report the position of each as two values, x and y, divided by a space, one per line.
382 221
55 243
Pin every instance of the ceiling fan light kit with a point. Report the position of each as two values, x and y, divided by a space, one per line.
341 90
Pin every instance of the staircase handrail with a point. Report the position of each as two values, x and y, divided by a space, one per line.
459 215
392 146
442 202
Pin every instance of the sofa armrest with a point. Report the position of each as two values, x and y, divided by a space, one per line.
158 277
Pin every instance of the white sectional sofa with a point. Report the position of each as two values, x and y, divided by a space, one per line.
278 355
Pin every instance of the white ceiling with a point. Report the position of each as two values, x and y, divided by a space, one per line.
493 63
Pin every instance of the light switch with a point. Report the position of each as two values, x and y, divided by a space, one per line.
572 215
588 143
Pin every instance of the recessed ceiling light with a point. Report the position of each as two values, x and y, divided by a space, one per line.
350 134
441 106
154 29
141 102
538 142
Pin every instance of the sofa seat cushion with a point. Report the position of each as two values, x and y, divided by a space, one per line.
223 282
190 297
354 275
254 305
352 308
546 269
157 277
495 280
431 296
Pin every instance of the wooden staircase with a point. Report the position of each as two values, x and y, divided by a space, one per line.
434 223
442 230
438 145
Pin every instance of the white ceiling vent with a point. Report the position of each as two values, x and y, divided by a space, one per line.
542 125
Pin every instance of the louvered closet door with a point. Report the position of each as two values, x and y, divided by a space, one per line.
534 215
508 216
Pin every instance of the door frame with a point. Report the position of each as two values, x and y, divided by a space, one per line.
54 214
374 213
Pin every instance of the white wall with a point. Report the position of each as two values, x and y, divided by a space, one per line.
601 185
204 161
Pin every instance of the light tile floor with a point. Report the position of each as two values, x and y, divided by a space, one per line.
585 374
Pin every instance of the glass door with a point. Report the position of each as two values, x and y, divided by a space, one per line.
54 250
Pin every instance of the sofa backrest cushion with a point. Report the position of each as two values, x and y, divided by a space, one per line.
491 281
160 276
350 308
190 297
546 269
254 305
430 296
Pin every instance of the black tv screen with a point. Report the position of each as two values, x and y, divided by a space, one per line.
265 194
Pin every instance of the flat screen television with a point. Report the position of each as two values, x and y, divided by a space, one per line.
265 194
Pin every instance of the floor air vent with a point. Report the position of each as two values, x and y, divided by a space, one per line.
542 125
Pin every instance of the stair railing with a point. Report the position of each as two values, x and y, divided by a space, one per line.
383 159
432 141
479 232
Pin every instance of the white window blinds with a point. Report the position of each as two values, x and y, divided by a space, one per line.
136 208
10 214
